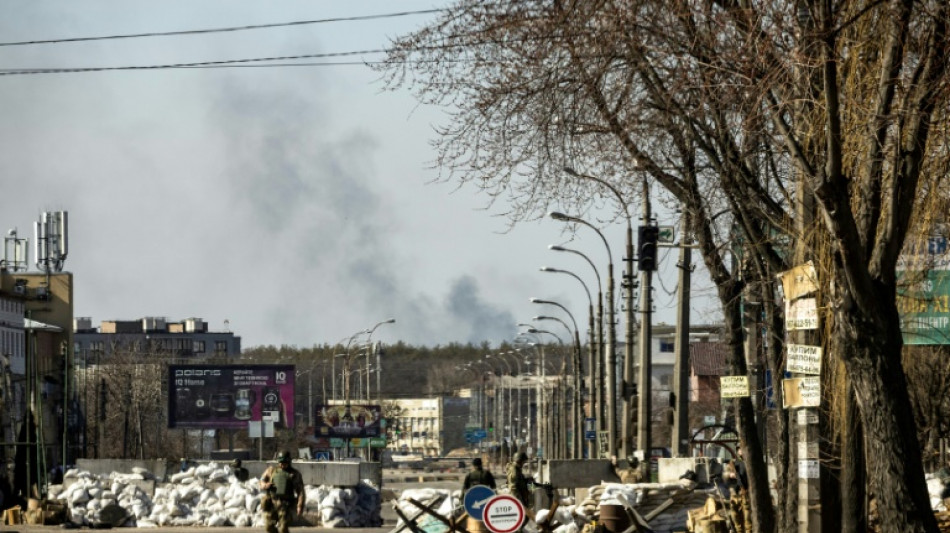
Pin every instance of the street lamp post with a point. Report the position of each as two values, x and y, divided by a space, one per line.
579 413
576 417
517 431
539 394
561 412
576 363
379 366
507 406
611 336
628 287
532 431
595 356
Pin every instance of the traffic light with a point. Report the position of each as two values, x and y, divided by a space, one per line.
647 247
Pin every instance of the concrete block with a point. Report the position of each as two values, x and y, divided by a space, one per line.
576 473
670 470
157 467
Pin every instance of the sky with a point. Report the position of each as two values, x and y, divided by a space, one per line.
291 205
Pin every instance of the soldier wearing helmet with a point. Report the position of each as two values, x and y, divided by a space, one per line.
283 486
517 481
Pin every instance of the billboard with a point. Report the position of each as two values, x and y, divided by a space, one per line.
348 421
230 396
923 301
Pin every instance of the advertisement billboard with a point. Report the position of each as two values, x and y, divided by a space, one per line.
348 421
230 396
923 301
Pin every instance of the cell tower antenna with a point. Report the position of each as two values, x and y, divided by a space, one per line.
51 233
15 251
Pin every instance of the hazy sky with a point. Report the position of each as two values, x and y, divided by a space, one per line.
295 202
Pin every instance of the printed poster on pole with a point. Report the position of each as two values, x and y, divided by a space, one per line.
803 359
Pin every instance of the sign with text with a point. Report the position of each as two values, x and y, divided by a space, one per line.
503 514
348 421
801 314
734 386
807 417
923 301
808 469
802 392
803 359
230 396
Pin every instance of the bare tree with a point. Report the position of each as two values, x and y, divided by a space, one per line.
792 118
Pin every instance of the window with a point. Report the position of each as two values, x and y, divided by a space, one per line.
220 347
198 347
667 346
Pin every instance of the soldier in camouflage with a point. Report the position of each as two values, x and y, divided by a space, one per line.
517 482
283 486
478 476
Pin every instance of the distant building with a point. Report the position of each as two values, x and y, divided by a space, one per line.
707 364
157 337
37 310
429 426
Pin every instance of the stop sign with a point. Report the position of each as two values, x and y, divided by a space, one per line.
503 514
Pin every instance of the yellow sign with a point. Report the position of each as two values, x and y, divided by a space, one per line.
734 386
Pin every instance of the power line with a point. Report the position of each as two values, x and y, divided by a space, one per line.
247 62
199 64
226 29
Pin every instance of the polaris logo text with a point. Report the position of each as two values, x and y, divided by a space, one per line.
196 373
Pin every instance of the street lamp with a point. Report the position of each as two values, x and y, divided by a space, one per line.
505 381
379 366
645 334
540 393
611 335
595 354
591 347
576 363
576 412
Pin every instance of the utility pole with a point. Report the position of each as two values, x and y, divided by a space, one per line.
611 373
680 433
645 407
628 390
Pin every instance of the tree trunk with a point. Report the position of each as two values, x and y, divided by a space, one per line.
760 500
853 476
894 463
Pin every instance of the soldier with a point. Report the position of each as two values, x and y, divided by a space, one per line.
240 473
517 482
478 476
283 485
629 473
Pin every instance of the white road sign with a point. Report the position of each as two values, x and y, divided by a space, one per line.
503 514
